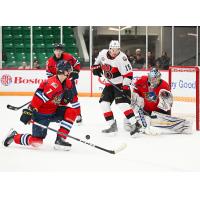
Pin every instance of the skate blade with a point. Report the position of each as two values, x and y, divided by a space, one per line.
61 148
111 134
79 123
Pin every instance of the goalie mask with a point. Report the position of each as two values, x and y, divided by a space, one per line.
154 77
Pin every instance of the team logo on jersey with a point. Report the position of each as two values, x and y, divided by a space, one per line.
106 67
151 96
6 80
102 58
57 99
124 58
107 71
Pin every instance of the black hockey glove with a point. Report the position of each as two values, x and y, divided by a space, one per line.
68 96
126 91
26 115
96 70
74 75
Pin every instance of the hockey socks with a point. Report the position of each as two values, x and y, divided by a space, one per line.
27 139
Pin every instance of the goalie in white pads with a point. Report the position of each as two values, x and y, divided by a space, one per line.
153 95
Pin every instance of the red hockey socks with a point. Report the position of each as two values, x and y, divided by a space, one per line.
67 123
27 139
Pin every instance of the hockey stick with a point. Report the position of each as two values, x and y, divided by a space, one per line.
17 108
140 109
120 148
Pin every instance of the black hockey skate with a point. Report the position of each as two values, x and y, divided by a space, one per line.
61 144
79 119
10 137
136 128
113 128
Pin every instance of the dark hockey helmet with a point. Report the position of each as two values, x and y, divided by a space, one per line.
62 66
154 77
59 46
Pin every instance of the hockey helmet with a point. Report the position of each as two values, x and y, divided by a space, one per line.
114 44
154 77
59 46
62 66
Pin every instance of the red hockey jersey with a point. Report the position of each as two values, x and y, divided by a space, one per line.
51 64
49 95
150 95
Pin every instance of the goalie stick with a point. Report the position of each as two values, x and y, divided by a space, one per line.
17 108
140 110
120 148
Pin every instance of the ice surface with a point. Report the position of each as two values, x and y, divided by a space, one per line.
149 153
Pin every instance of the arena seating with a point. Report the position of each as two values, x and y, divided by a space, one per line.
16 43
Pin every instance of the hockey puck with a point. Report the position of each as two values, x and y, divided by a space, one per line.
87 137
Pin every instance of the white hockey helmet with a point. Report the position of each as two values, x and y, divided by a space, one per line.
114 44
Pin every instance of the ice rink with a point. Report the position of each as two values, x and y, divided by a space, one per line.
145 153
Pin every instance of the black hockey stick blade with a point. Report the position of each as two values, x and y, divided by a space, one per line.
16 108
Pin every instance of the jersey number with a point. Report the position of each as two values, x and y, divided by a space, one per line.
128 67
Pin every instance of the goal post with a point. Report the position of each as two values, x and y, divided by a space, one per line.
184 84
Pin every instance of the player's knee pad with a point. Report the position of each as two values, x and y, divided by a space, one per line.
75 99
70 114
35 141
126 109
105 106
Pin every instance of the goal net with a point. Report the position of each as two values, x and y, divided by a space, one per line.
184 82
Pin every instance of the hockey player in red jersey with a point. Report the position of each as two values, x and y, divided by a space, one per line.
152 94
51 68
48 105
114 65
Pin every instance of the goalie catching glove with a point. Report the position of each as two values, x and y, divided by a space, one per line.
165 100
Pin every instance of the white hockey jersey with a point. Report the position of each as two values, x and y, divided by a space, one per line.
117 70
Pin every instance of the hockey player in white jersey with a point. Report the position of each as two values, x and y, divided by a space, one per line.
114 65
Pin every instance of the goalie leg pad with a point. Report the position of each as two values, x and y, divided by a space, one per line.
171 124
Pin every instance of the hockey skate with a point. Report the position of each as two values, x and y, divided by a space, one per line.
135 129
10 137
113 128
61 144
79 119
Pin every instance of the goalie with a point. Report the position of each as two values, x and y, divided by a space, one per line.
153 95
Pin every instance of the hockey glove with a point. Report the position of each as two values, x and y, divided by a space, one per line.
126 91
74 75
96 70
26 115
68 96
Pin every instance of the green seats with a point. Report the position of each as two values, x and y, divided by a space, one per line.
18 39
8 47
19 48
7 30
17 30
17 43
7 38
26 30
38 39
